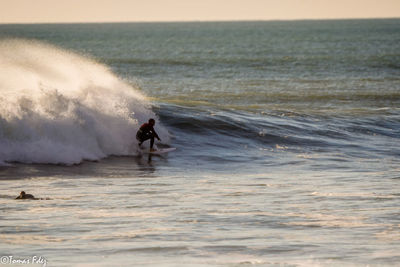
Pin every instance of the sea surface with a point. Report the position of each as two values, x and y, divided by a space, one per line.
287 137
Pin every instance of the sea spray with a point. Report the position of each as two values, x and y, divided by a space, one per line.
60 107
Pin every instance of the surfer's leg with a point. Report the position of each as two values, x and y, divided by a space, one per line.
142 137
139 138
151 142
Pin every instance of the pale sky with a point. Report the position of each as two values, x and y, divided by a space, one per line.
51 11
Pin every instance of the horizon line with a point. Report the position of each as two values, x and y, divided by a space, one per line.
200 21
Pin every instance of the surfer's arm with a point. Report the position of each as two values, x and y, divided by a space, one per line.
156 135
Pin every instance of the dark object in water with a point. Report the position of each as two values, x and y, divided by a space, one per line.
23 195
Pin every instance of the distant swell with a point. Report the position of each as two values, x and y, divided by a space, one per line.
231 130
59 107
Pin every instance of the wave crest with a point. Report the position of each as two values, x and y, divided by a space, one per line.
59 107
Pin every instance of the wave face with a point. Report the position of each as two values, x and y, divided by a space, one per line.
59 107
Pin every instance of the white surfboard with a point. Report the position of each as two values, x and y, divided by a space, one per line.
159 151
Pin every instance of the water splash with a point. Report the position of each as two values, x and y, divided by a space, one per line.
60 107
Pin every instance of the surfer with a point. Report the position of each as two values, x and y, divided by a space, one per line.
147 132
22 195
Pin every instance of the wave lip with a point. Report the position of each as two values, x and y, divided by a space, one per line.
59 107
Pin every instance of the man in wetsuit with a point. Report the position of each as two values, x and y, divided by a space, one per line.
147 132
23 195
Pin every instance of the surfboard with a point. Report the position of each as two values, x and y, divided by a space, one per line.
159 151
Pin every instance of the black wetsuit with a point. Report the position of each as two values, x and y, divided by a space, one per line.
25 196
146 132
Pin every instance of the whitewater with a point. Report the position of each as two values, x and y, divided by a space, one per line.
60 107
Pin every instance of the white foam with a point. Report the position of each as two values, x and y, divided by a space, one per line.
59 107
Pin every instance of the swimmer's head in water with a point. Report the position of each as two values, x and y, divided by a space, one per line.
23 195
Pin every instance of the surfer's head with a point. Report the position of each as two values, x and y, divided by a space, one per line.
152 122
22 193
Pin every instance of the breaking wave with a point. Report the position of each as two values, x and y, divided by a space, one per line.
59 107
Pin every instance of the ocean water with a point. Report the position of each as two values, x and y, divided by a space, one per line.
287 137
